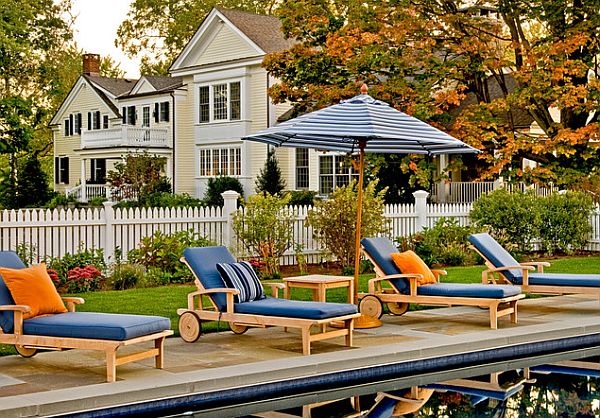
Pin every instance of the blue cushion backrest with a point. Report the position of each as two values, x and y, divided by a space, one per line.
380 250
10 260
203 261
496 254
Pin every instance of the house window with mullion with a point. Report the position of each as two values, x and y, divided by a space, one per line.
204 104
301 168
234 101
220 102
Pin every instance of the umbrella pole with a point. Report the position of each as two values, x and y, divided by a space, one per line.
364 321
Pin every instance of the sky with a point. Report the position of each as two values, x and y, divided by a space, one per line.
95 30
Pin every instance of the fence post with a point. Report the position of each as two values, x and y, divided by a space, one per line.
230 198
109 232
421 209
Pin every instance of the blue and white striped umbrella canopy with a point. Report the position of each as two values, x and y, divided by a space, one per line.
343 126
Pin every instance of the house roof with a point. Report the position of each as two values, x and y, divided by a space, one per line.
161 83
115 86
264 31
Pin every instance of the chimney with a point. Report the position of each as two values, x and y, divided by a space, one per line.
91 64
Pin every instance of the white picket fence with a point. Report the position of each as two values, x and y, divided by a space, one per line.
53 233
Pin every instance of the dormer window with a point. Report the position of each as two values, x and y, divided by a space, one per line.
219 102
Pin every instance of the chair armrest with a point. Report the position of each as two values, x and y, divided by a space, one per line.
20 308
412 278
537 264
72 302
526 269
218 290
438 273
275 288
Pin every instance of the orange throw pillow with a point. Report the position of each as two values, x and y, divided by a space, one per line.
410 263
33 287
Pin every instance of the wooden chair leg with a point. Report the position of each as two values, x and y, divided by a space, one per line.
306 341
111 365
513 315
159 360
349 325
494 316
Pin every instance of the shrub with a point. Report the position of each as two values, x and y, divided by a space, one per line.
445 243
270 180
163 251
334 220
155 277
512 218
82 259
83 279
126 276
264 227
218 185
564 221
301 197
97 201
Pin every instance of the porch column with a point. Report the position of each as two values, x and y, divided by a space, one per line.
443 186
169 171
83 180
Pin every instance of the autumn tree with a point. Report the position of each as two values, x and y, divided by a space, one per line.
157 30
425 57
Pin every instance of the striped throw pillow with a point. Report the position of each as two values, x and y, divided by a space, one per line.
241 276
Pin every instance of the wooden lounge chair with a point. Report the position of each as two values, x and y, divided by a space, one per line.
266 312
85 330
503 268
500 300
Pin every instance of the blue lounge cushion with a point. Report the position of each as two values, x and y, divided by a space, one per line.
497 255
484 393
380 250
384 408
97 326
203 262
295 308
468 290
241 276
8 259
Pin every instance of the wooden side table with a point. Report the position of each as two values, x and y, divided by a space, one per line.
319 284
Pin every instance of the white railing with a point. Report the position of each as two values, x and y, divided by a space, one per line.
54 233
469 191
91 191
126 136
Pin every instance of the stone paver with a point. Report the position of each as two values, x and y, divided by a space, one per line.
56 382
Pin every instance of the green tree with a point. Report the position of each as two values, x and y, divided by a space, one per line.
269 179
334 220
157 30
424 56
139 176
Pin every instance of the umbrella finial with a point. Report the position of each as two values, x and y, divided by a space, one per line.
364 89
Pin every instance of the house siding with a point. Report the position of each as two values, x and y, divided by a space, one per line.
185 149
225 46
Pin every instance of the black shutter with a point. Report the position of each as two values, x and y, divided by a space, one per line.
156 113
124 115
56 170
65 170
66 127
71 124
89 121
78 116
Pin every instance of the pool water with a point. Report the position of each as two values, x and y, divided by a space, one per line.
566 389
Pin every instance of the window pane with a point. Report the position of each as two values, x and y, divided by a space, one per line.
234 100
215 162
145 116
105 122
225 162
164 111
237 168
325 184
326 164
302 168
204 105
220 102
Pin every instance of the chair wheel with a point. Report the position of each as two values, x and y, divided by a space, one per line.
237 328
397 308
26 352
190 327
371 306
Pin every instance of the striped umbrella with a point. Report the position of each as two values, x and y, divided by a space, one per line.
358 125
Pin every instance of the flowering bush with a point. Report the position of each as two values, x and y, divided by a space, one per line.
83 279
258 266
54 277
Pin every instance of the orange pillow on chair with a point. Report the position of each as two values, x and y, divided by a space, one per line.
33 287
410 263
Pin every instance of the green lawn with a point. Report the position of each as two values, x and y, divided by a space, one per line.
165 301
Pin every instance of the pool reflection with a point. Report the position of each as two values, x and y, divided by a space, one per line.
564 389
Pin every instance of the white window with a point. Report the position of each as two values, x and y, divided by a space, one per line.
301 168
334 171
219 102
145 116
220 162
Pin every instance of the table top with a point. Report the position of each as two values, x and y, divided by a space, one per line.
318 278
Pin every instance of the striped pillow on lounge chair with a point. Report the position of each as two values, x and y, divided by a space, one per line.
241 276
